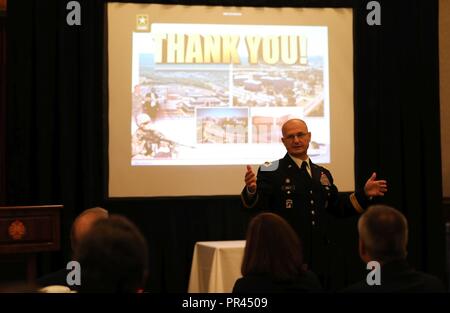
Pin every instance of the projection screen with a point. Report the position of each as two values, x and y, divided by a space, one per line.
198 92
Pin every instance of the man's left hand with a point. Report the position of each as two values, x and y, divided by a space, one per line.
375 187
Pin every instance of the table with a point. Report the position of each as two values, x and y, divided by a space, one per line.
26 231
216 265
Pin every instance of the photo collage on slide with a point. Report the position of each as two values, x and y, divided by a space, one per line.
196 102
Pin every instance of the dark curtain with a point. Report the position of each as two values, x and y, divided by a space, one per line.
57 132
397 126
2 107
55 113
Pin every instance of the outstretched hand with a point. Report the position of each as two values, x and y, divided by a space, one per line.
250 179
374 187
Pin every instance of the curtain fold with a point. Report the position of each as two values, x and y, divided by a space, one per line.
397 127
2 107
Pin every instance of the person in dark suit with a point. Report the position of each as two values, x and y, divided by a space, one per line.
113 257
304 193
273 259
80 226
383 236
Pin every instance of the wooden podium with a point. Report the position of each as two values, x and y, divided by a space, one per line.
27 230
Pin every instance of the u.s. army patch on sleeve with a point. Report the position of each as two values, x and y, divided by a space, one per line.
269 166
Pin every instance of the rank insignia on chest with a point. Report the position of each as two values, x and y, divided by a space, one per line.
324 180
288 188
289 204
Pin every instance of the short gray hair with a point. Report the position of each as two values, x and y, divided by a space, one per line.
384 233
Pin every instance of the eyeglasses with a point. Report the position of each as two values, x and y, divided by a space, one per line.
298 135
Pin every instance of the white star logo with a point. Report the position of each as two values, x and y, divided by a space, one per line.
142 20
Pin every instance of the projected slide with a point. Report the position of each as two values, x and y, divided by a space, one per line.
196 93
217 94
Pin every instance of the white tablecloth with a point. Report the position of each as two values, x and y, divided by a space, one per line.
216 265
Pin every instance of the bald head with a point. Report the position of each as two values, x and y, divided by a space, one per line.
290 123
84 222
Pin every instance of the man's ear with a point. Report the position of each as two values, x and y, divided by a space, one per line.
363 252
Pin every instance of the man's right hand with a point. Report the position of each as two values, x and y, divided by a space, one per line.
250 180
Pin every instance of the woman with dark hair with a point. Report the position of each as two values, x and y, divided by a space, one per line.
273 259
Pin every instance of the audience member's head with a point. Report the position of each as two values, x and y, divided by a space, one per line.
83 223
113 257
383 234
272 248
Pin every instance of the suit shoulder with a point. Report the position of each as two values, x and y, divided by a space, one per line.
432 283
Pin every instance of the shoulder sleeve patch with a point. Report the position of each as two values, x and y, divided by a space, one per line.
269 166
